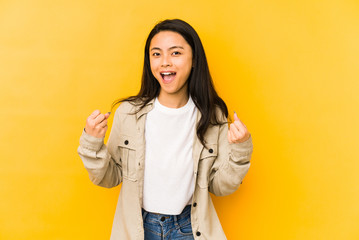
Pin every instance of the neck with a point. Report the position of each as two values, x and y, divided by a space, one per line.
173 101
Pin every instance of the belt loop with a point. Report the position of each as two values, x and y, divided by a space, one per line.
175 221
144 215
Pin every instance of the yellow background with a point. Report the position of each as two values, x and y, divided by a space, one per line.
289 68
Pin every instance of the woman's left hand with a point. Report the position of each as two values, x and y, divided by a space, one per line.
237 132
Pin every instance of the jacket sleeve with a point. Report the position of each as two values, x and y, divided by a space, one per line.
102 162
231 165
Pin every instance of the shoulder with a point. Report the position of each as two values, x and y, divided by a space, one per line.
125 118
216 126
125 107
129 107
220 115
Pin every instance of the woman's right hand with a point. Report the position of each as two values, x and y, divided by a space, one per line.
96 124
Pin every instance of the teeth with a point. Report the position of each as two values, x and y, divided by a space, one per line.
167 73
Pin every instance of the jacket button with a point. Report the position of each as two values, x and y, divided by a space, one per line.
126 142
210 150
195 204
198 234
163 218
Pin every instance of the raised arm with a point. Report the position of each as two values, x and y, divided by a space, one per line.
233 160
102 163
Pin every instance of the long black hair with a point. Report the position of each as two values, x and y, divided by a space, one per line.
200 84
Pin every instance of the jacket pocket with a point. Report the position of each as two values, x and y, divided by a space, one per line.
206 160
127 147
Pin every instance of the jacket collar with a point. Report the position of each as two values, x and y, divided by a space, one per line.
145 109
149 107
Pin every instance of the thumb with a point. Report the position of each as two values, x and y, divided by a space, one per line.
236 117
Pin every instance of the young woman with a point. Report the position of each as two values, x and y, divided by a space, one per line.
170 145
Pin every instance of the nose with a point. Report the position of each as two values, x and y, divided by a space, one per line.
166 61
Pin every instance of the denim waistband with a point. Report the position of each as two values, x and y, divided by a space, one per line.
161 217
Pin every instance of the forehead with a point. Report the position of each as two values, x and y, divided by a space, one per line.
167 39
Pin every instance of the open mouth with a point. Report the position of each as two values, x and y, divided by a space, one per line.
168 76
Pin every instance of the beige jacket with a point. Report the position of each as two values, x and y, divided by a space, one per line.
218 169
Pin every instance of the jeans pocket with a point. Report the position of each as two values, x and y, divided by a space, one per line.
185 228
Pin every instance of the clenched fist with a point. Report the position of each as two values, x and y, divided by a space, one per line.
237 132
96 124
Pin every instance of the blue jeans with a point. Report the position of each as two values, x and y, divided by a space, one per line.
168 227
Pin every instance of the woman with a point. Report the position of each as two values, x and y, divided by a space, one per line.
170 145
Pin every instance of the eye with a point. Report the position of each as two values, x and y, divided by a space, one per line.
176 53
155 54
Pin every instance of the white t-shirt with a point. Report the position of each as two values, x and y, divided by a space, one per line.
168 177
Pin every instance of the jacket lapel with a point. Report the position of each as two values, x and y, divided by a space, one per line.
197 146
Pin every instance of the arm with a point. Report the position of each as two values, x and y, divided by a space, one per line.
233 160
102 162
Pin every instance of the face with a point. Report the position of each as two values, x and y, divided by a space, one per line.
171 63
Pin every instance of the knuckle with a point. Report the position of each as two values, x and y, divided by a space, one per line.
94 113
241 134
238 124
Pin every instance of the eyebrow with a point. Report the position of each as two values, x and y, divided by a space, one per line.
157 48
